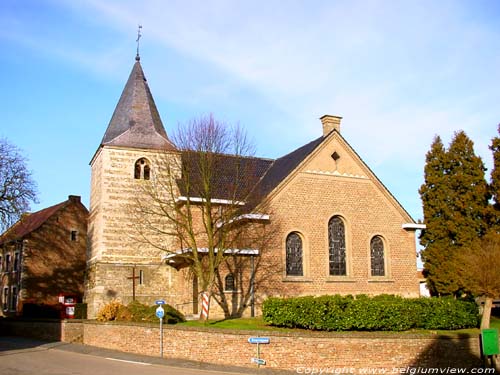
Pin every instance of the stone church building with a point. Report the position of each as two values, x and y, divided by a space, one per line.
336 229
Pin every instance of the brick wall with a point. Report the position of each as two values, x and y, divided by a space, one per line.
299 351
49 330
295 352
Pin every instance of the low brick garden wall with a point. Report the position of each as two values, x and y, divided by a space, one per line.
302 352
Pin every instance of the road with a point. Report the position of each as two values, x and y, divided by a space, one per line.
19 356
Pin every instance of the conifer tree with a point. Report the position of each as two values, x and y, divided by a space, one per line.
455 200
495 183
434 193
470 193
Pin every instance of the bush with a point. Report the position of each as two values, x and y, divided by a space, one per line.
81 311
137 312
109 311
363 313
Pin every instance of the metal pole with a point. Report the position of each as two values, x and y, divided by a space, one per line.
161 337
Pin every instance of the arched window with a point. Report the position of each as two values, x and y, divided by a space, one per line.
142 169
377 256
229 283
294 255
336 247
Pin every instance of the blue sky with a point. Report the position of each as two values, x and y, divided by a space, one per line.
399 72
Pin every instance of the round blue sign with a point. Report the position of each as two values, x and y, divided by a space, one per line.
160 313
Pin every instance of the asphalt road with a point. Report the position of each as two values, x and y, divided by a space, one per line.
31 357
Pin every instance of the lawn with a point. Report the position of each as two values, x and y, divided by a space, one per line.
237 324
257 324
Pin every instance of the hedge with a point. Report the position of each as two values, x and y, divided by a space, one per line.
363 313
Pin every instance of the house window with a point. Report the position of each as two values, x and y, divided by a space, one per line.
142 169
377 256
141 277
5 299
229 283
16 262
7 262
13 299
1 264
294 255
336 247
73 235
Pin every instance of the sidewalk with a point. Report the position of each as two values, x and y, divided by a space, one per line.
14 344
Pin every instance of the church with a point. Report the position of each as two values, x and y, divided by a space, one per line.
333 227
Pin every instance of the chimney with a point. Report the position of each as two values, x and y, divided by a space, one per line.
74 198
329 123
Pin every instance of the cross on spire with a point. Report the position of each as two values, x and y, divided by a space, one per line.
137 57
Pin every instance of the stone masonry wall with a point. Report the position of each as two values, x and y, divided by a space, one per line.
116 246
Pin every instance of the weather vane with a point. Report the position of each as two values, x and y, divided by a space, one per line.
137 57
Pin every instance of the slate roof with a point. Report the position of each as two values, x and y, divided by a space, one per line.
283 166
243 178
136 122
234 176
31 222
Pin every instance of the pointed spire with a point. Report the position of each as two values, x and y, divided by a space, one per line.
136 122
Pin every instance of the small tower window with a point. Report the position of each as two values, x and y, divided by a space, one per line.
74 235
142 169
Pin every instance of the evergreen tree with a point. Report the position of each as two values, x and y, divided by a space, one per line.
455 202
495 183
434 193
470 192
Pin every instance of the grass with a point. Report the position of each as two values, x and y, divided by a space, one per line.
495 322
257 324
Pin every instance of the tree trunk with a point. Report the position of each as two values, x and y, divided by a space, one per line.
485 319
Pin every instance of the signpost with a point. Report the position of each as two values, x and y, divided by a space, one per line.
258 361
160 313
258 340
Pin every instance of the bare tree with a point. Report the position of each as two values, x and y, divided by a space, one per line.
17 187
478 269
202 197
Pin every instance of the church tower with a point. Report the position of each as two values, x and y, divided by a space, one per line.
119 268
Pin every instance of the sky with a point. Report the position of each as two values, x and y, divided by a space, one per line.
399 72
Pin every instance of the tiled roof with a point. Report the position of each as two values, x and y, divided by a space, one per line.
233 176
241 178
136 121
283 166
29 223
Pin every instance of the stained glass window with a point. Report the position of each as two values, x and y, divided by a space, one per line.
336 247
377 256
294 255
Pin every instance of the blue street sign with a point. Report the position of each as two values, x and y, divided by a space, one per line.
258 361
160 313
259 340
160 302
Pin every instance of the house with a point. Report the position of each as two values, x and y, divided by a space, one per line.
336 227
43 255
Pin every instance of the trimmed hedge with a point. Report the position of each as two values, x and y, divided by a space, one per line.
363 313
